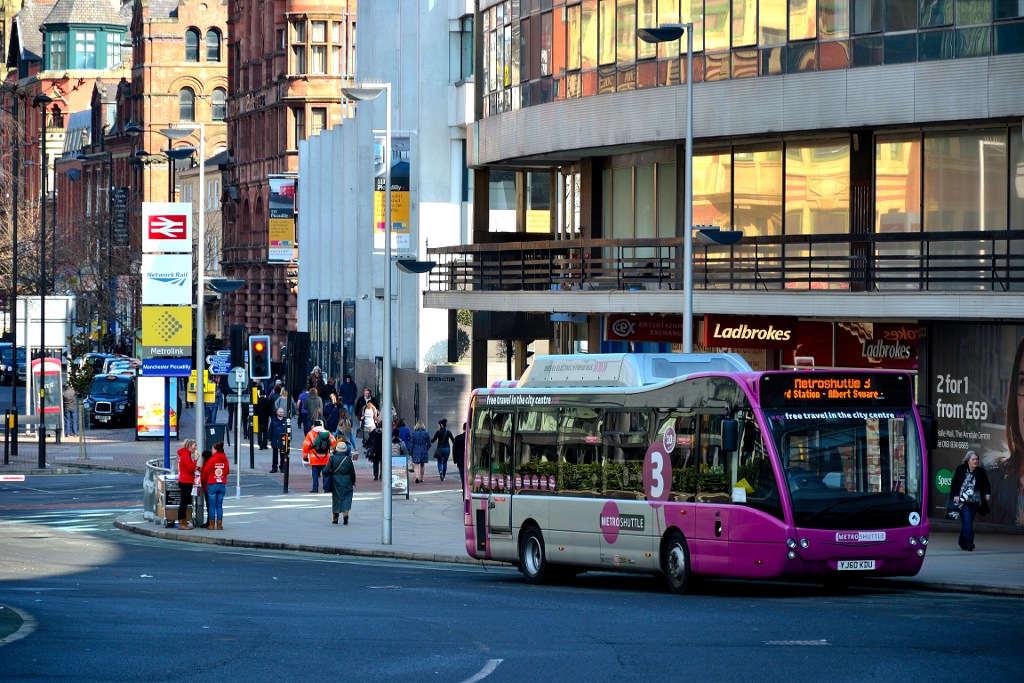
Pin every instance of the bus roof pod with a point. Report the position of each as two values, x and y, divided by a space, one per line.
624 369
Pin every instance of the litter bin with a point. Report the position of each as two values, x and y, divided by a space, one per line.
214 432
168 500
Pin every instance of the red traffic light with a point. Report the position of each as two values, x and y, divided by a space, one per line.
258 346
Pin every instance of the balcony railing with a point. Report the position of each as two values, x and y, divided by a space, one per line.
967 260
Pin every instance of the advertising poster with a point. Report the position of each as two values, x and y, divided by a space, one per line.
151 407
400 475
281 219
400 203
166 331
976 395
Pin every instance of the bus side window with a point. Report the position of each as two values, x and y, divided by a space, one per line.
714 469
480 451
684 423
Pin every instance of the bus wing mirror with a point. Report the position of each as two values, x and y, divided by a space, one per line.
930 427
730 435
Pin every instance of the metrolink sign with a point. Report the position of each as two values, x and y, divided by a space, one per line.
166 280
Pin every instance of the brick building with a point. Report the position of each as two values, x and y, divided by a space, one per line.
287 62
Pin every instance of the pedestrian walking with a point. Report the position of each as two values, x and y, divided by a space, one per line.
375 450
405 434
420 440
344 429
278 432
301 412
343 478
316 450
369 420
331 413
360 406
264 411
970 489
186 480
459 454
69 397
215 479
348 397
443 438
313 405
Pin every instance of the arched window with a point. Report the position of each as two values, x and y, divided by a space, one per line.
213 45
220 99
192 45
187 104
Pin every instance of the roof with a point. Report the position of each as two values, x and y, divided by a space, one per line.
163 9
98 12
78 133
28 21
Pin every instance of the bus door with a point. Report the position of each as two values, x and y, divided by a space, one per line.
710 549
499 496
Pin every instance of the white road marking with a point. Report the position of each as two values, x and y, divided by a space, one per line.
484 672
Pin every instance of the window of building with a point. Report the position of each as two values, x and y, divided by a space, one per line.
318 120
299 116
192 45
58 50
186 104
463 50
219 101
318 47
85 50
114 49
213 45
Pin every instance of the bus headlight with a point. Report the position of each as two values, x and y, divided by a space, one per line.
791 544
920 552
804 543
791 555
913 541
924 540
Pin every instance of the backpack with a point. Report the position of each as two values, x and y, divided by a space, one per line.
396 450
322 442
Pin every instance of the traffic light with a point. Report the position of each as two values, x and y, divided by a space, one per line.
259 356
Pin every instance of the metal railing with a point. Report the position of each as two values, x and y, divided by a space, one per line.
966 260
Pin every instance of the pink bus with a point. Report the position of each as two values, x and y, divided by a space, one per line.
693 465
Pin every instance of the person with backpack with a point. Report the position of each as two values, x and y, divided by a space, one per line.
443 437
316 450
398 447
420 449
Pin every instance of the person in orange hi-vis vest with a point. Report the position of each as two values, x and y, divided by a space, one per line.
316 450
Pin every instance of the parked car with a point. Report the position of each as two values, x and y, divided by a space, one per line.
111 401
94 360
8 368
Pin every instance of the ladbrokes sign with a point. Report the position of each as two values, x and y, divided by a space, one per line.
749 332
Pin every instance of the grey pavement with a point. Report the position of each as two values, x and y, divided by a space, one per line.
428 526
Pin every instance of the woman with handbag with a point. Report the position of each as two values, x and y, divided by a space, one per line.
342 474
971 491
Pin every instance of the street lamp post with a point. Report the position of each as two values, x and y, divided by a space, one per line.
360 93
41 101
179 132
666 33
109 280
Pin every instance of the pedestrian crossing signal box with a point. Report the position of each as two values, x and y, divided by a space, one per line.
168 500
209 391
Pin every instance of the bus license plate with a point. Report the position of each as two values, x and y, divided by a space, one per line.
856 565
103 418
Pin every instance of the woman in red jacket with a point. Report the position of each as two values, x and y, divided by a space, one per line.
186 478
215 479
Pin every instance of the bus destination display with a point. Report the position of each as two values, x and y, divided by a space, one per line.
810 389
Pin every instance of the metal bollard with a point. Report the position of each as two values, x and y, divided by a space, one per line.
284 454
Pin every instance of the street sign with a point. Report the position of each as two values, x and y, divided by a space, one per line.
219 365
167 367
238 377
235 398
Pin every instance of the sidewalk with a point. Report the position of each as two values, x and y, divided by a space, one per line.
429 525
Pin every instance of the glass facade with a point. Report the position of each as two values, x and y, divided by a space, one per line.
536 52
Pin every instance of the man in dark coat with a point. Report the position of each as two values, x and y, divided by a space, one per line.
264 410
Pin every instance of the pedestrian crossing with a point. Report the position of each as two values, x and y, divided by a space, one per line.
74 520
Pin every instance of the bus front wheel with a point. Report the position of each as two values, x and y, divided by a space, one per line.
675 562
532 561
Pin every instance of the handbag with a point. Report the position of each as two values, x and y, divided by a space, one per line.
953 509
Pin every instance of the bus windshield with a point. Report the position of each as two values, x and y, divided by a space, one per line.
849 469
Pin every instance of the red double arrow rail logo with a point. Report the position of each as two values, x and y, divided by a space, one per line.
167 227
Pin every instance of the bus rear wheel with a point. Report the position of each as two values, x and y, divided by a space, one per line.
533 563
675 562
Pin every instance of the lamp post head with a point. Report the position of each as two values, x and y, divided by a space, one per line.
365 91
133 129
665 33
41 100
